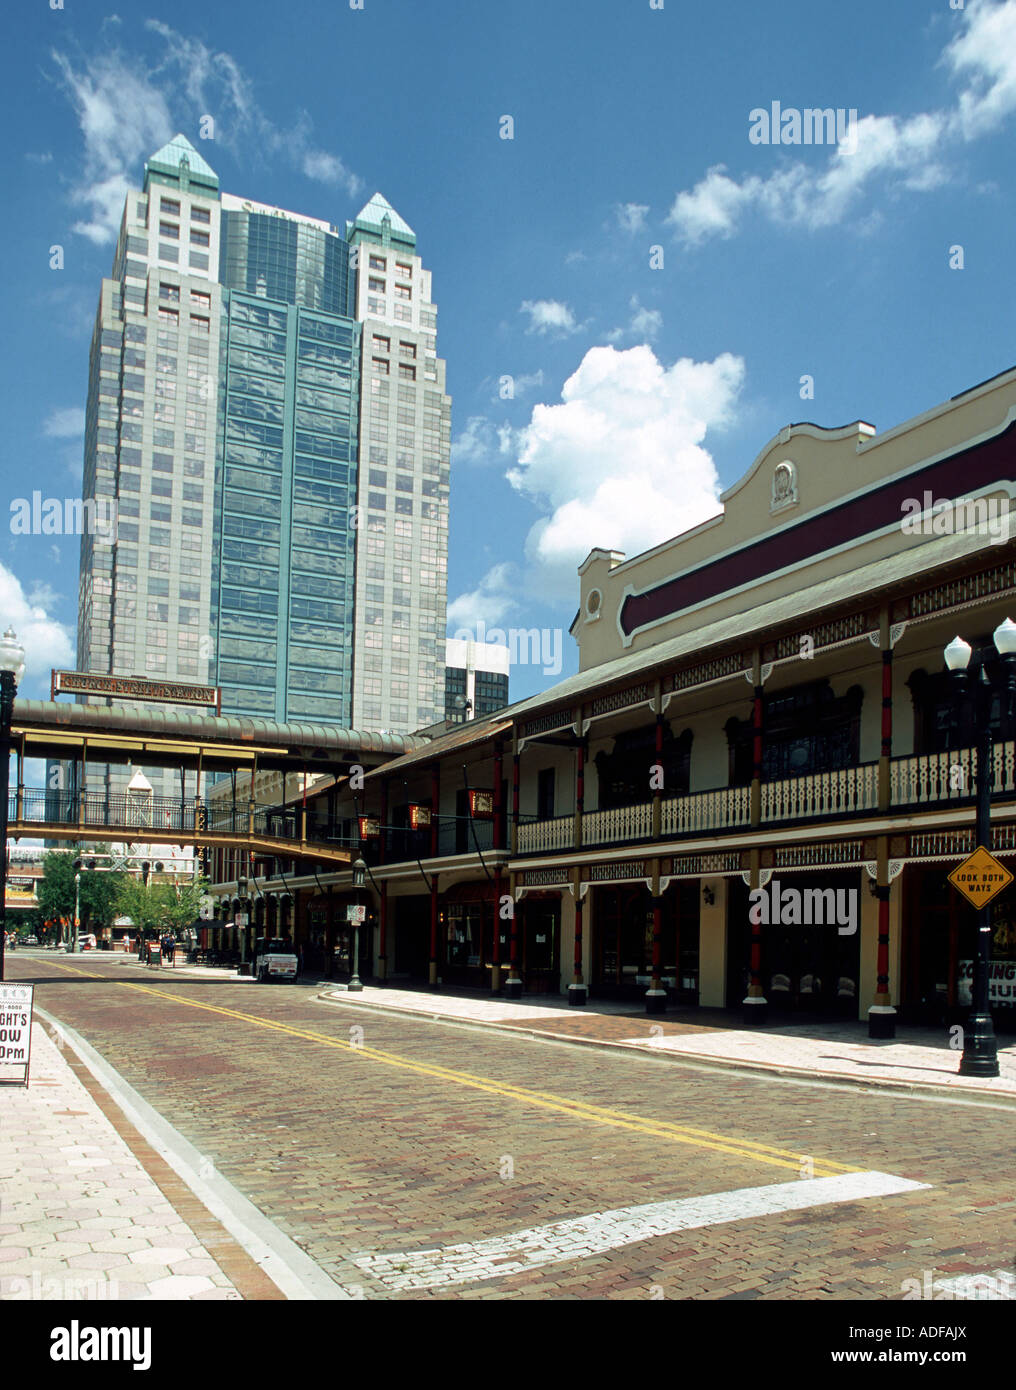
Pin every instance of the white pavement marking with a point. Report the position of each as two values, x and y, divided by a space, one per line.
582 1236
997 1287
289 1267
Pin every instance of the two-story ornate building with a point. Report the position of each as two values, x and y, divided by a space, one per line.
762 704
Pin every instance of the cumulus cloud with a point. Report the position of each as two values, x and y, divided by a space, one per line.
549 316
127 108
494 599
65 423
46 641
644 323
480 440
908 153
620 462
631 217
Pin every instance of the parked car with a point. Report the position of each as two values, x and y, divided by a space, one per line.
274 959
31 941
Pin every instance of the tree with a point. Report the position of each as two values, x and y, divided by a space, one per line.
159 907
98 889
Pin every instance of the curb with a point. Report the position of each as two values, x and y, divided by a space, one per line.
961 1095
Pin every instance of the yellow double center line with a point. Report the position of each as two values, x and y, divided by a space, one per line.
801 1164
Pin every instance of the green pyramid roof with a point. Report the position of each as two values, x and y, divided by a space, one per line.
171 156
373 214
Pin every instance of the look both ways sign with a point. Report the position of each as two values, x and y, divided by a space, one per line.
15 1032
981 877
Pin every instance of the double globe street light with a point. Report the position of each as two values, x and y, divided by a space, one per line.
980 1051
12 670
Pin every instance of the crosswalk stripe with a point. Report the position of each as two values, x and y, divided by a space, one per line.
580 1237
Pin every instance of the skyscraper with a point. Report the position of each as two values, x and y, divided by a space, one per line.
268 411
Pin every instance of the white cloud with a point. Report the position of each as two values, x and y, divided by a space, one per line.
493 600
631 216
127 110
477 442
644 323
906 152
328 168
47 643
549 316
620 462
65 423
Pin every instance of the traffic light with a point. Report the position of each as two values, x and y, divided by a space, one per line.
91 863
146 869
77 866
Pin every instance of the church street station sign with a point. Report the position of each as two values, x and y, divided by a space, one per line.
981 877
135 688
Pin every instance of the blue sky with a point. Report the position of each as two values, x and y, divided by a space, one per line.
631 131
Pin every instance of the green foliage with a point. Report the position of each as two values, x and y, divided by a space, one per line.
158 907
98 889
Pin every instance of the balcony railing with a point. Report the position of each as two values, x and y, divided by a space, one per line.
927 780
701 811
815 796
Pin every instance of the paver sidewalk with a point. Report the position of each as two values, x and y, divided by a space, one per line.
917 1059
80 1218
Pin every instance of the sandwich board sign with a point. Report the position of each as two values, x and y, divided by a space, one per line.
15 1031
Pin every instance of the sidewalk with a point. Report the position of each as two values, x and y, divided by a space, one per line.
80 1217
918 1060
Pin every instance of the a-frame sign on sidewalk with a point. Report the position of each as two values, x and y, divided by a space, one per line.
15 1031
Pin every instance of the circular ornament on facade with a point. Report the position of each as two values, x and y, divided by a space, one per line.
593 600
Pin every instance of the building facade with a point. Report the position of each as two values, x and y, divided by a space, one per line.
244 360
476 679
752 792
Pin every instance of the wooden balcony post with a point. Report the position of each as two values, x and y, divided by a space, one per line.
656 782
435 801
756 739
577 992
755 1003
886 751
580 779
382 940
882 1015
656 995
495 957
498 826
432 972
515 792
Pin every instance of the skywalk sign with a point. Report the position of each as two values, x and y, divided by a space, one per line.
981 877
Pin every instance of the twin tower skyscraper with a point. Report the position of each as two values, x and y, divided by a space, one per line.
267 411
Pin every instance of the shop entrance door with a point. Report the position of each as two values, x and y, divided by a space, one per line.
541 936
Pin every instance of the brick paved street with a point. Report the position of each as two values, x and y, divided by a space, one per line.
423 1135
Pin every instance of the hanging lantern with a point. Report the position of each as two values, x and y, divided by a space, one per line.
481 804
419 817
370 827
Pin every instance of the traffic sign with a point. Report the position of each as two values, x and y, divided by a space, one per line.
356 913
981 877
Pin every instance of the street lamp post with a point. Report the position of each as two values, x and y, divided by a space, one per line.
359 879
980 1051
77 910
12 669
241 893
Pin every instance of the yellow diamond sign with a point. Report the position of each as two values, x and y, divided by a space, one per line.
981 877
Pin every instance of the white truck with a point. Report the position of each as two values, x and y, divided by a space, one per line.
274 959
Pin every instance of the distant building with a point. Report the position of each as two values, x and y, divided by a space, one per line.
476 679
